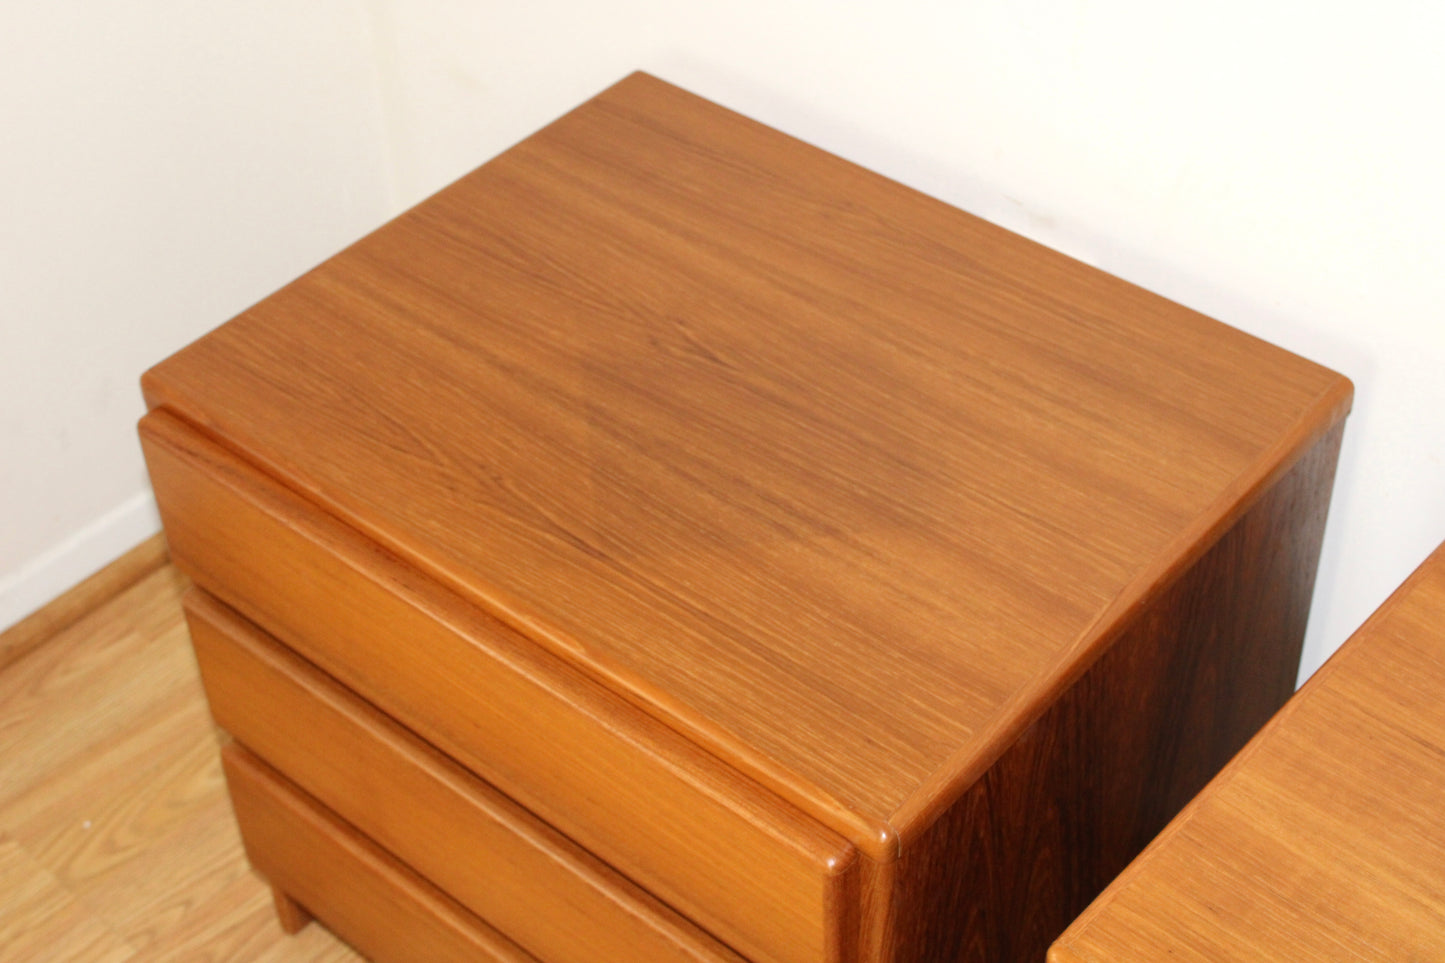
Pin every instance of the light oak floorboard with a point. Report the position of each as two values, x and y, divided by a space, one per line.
117 842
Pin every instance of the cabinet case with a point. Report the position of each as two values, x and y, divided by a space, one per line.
671 541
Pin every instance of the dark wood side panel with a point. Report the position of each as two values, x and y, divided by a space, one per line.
1185 685
1322 839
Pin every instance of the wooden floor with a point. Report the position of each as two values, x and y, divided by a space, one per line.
116 837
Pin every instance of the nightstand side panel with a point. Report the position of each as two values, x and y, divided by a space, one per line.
1182 687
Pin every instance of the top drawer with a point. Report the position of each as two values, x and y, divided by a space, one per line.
739 861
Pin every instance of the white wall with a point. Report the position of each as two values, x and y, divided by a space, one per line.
162 165
1272 164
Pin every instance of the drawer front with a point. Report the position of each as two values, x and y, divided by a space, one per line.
361 893
744 865
496 859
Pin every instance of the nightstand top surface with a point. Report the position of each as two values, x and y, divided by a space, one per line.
1323 839
830 476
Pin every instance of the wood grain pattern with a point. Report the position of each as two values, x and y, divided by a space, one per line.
117 842
549 896
382 907
82 599
1182 688
829 477
40 919
1323 840
735 859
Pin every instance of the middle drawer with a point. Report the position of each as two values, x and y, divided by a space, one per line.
492 856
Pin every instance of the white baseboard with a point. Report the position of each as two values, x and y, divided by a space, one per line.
87 551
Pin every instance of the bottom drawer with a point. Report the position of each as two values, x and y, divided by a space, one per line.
499 861
361 893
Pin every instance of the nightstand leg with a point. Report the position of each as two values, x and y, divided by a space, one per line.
293 915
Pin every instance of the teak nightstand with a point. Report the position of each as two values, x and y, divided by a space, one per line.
1324 840
672 542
